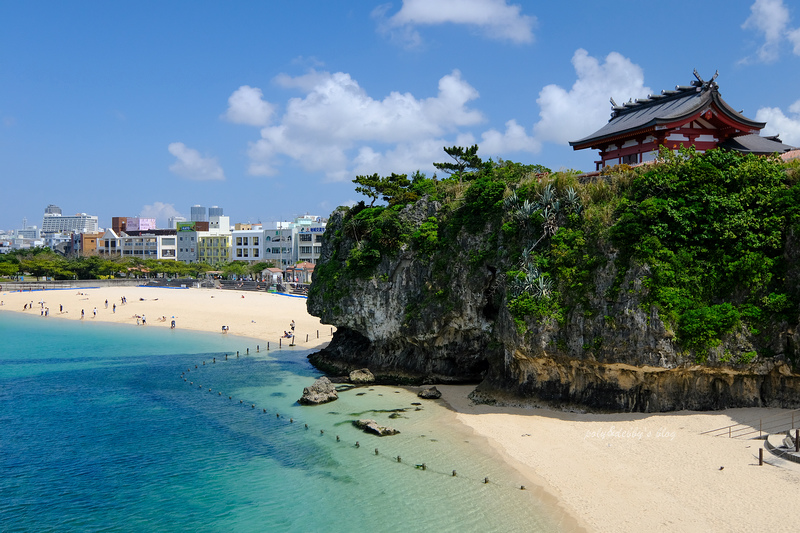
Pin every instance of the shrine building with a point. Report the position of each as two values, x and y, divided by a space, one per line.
693 115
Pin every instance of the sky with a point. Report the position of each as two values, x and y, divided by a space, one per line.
270 109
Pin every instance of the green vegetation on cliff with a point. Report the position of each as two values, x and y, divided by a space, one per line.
712 233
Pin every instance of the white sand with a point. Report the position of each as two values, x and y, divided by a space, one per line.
616 472
643 472
261 316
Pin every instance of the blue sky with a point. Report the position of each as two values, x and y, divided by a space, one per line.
270 109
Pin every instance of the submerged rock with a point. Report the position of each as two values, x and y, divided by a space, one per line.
322 391
361 377
430 393
371 426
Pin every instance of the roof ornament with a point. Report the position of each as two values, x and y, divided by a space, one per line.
613 103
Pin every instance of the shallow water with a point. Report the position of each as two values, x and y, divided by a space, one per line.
109 427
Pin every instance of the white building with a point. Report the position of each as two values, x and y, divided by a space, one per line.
282 243
80 223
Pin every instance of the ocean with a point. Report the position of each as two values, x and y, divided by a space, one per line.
108 427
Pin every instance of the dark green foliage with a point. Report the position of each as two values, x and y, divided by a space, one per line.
426 238
482 202
465 161
712 229
702 328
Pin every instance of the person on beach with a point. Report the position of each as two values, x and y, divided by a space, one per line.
292 325
81 314
172 326
114 308
106 303
94 313
60 308
144 320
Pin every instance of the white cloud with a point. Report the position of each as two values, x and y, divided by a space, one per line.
788 127
337 128
245 106
571 115
771 18
159 211
193 166
515 139
495 18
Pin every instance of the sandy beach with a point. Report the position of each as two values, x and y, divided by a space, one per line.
261 316
612 472
643 472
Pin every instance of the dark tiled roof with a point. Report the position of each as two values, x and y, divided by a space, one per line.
664 108
755 144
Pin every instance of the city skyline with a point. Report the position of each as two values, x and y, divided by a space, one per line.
271 110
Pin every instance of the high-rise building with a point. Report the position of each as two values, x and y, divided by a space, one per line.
172 222
53 209
215 211
57 223
199 214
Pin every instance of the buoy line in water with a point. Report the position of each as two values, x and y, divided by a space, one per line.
396 459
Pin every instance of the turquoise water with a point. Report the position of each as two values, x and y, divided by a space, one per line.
113 428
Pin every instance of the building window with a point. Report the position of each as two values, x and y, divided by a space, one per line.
276 250
238 252
305 237
317 238
318 250
238 241
305 249
244 241
255 252
255 241
246 253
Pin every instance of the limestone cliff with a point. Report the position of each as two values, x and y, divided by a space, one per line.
416 313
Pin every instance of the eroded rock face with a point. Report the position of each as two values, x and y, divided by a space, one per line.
322 391
371 426
610 352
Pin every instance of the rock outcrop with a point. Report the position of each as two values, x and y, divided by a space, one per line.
416 321
361 377
371 426
430 393
322 391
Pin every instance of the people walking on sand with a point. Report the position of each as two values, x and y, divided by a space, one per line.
114 308
144 320
94 313
106 303
60 308
81 314
292 325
